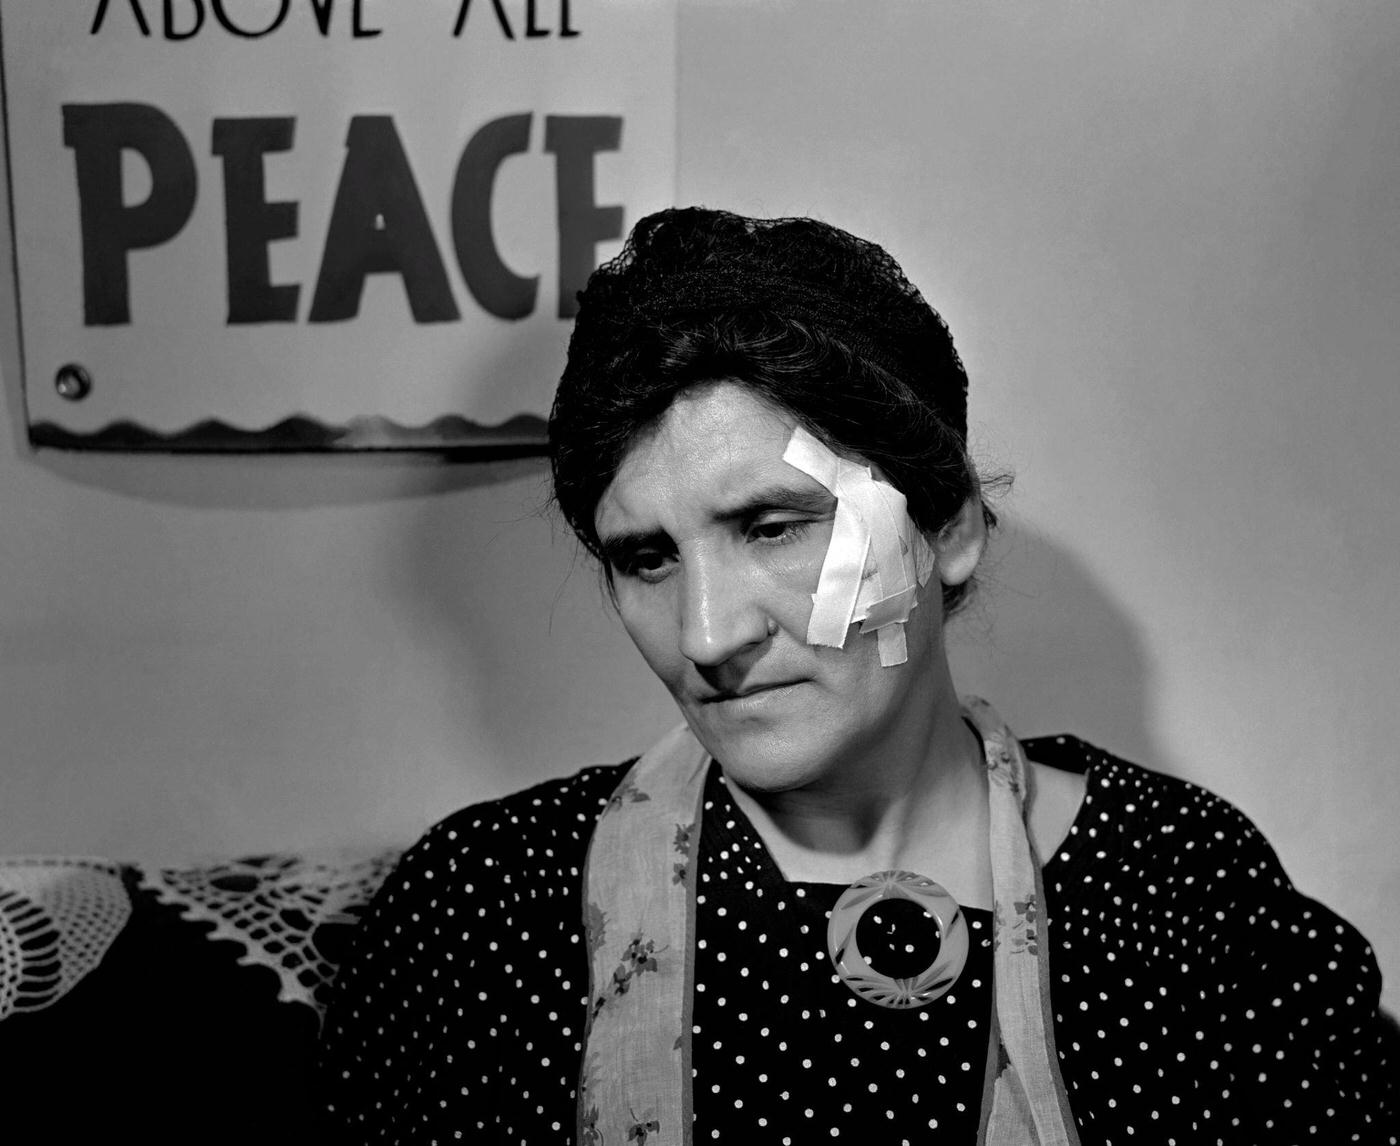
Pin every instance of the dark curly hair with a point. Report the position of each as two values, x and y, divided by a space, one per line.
816 321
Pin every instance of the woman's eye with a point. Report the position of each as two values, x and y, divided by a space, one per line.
778 531
645 565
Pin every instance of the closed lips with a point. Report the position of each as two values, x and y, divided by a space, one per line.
749 690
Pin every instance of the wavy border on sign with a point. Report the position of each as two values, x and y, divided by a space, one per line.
524 435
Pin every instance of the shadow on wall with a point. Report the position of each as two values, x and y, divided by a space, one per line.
273 482
1053 651
267 481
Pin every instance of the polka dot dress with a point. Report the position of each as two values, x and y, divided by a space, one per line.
783 1051
1197 997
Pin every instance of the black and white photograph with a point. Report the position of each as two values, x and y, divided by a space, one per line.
660 572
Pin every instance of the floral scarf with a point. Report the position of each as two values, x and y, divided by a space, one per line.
639 904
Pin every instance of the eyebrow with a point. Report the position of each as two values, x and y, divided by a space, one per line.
782 497
617 546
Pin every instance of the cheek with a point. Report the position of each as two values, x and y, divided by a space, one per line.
648 620
858 665
788 586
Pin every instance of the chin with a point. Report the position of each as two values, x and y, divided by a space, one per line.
767 761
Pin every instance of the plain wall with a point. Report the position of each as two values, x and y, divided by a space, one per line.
1167 240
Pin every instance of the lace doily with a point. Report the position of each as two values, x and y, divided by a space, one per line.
58 917
272 906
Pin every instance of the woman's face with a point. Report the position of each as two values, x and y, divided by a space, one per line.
715 545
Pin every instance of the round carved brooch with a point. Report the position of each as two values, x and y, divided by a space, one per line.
884 890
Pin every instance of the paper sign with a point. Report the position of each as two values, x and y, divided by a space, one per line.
320 224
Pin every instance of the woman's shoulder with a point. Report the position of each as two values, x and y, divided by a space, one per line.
549 821
521 852
480 915
1165 881
1171 845
1129 803
1168 839
549 806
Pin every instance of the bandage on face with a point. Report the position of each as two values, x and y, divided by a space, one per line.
877 557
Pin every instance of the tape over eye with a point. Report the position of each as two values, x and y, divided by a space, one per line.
876 560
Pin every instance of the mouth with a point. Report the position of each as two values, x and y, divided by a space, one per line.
749 690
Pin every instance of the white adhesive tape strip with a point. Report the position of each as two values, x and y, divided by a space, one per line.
876 558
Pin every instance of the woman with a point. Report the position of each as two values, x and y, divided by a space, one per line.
837 900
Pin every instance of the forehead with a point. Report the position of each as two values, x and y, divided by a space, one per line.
713 447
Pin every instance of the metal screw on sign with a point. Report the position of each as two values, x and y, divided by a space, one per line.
72 382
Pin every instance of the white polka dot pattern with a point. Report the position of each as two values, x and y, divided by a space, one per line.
1198 998
783 1048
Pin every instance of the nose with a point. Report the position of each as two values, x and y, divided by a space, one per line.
720 614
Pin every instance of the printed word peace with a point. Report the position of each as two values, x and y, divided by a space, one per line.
378 223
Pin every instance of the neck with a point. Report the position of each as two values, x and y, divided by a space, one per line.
920 805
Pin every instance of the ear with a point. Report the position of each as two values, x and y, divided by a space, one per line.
959 545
